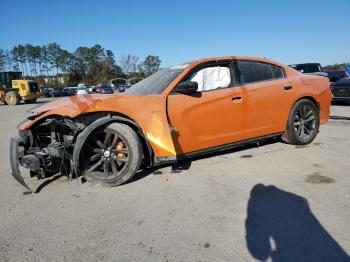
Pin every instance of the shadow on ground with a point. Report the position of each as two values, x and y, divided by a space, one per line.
340 103
281 226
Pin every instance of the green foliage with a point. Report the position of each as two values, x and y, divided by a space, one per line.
150 65
53 52
335 67
53 66
19 57
2 60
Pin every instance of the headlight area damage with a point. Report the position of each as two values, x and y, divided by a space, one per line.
98 146
45 149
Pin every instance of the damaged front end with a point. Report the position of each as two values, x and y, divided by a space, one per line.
44 150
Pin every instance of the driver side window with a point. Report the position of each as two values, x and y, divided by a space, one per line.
211 78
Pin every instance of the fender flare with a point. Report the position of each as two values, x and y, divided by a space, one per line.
81 138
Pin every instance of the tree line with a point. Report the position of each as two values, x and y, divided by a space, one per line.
52 65
335 67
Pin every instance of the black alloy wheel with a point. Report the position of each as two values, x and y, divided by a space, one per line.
114 155
303 123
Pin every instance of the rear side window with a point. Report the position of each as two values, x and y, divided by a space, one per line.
253 71
277 72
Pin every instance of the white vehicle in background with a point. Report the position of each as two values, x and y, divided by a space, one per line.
82 89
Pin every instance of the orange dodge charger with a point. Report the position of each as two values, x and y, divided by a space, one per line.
181 111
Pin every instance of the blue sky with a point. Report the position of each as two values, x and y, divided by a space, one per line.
288 31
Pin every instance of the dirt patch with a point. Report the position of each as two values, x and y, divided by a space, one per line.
207 245
158 172
175 171
246 156
316 178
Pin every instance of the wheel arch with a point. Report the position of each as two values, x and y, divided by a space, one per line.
96 120
308 97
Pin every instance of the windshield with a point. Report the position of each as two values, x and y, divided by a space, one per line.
156 83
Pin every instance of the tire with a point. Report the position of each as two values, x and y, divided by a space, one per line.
12 98
30 101
303 123
115 160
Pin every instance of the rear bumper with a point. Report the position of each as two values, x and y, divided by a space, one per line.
15 145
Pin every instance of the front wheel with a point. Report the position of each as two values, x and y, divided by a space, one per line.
303 123
112 155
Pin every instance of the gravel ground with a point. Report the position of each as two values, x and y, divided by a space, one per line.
275 202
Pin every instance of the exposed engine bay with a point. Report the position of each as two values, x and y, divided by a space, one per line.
47 148
55 144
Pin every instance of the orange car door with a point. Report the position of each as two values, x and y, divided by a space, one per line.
270 93
211 117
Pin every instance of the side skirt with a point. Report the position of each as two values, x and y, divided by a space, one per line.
174 159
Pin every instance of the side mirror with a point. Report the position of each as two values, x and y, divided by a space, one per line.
187 87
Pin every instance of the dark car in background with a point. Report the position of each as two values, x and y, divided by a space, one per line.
73 91
104 89
70 91
335 75
47 92
57 92
123 87
309 68
341 90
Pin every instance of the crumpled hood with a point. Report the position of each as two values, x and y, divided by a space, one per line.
75 104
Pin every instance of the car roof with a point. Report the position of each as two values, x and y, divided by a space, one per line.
254 58
304 64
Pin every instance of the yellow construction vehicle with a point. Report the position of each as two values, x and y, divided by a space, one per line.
14 89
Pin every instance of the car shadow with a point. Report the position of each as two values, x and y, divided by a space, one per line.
341 103
281 226
175 168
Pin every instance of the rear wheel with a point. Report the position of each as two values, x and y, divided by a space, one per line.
303 123
113 155
12 98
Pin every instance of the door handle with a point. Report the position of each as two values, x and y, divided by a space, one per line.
288 87
237 99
